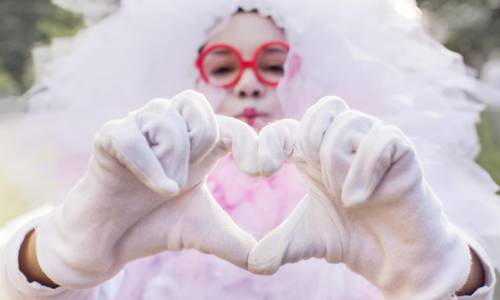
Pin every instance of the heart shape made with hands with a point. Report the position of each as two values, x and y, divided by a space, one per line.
367 205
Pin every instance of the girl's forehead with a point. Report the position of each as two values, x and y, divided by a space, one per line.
246 32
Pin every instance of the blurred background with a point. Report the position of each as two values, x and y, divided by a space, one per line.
33 32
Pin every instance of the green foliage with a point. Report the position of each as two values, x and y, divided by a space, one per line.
57 22
489 134
8 86
23 23
473 26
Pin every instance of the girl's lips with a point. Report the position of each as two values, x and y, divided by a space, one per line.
249 115
251 112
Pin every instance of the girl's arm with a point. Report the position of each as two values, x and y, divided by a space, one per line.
476 278
15 238
28 262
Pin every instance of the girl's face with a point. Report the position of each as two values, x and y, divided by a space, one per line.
251 98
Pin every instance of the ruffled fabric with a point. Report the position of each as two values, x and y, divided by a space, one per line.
190 275
256 204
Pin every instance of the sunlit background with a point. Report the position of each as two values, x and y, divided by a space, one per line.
27 27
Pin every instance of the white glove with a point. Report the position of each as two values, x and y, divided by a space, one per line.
145 192
368 205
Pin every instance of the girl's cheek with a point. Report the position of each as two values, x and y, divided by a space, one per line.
273 117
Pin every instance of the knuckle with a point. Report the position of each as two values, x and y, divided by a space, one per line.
211 135
105 133
332 103
191 98
157 104
190 94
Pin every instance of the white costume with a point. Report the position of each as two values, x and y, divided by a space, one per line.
376 55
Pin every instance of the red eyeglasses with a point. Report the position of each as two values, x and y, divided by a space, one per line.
222 65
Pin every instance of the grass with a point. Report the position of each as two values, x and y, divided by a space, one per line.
489 134
11 203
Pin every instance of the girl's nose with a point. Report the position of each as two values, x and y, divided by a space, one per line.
249 86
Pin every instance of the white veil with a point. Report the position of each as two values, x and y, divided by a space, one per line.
375 54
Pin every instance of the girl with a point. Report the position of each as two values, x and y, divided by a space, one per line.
374 62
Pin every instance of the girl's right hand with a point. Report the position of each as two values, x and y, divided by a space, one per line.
145 192
368 206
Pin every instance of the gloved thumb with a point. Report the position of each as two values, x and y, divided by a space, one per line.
276 144
240 139
209 229
303 234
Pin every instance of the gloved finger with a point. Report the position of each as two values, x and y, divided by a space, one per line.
305 233
276 144
205 226
241 140
378 152
167 135
339 146
123 140
315 122
200 121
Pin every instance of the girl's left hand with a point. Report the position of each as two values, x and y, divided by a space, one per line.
145 192
368 206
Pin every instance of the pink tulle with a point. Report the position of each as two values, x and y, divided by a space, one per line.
256 204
